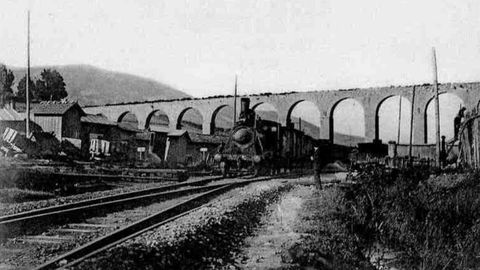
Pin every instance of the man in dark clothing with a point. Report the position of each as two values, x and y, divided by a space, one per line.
458 121
317 167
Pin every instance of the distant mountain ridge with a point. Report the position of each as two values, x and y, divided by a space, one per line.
94 86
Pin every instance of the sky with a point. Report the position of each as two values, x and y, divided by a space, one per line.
273 45
198 46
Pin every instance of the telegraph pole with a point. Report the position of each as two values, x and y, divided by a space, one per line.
437 107
399 119
27 92
235 102
411 126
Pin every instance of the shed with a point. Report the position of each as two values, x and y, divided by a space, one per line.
159 140
12 119
61 118
190 149
204 146
127 131
176 147
97 127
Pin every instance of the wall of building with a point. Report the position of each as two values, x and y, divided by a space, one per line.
159 143
424 151
94 131
16 125
177 150
71 125
193 151
50 123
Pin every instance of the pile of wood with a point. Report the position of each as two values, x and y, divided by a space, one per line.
469 135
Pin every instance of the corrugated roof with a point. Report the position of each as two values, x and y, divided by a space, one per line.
97 119
53 108
128 127
144 136
162 129
8 114
177 133
205 138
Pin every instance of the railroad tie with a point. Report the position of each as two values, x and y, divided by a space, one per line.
89 225
64 231
44 239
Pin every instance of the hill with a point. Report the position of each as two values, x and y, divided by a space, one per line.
91 85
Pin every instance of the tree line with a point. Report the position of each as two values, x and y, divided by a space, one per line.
49 86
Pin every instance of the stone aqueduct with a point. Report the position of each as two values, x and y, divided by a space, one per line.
326 102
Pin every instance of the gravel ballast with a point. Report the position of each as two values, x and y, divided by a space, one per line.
206 238
14 208
268 247
28 254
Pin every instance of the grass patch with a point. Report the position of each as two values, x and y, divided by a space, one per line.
327 240
433 224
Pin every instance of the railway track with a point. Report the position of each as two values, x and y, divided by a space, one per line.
112 234
12 225
118 236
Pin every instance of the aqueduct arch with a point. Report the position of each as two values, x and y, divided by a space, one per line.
194 122
326 102
163 121
308 112
225 112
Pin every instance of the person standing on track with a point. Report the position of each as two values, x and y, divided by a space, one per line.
317 167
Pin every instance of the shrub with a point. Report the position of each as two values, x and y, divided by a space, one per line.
434 226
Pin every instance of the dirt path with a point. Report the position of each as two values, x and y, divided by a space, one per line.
268 249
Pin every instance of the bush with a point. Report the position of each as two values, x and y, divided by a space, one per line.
434 226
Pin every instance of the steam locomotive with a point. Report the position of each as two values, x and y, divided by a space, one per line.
264 146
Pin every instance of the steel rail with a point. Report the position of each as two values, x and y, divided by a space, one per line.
74 210
112 176
116 197
21 223
89 249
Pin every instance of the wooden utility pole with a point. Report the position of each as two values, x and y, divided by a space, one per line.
27 82
399 118
301 140
411 126
437 107
235 102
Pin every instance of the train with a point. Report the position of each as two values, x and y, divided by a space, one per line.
264 146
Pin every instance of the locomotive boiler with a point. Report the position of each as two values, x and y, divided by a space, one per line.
263 145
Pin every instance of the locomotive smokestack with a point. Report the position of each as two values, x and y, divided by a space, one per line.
245 105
